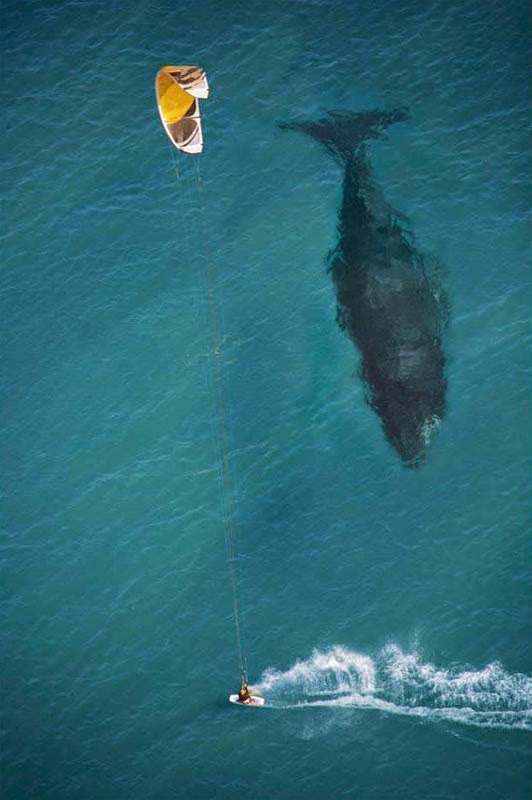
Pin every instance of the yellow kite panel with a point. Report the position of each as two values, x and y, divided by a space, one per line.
174 102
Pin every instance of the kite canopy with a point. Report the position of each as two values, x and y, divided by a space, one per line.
178 90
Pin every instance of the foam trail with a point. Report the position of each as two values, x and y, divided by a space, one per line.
402 683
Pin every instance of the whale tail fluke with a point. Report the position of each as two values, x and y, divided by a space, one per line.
344 133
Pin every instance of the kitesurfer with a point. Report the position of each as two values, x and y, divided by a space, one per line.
244 695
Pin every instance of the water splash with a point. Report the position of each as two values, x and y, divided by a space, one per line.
431 425
402 683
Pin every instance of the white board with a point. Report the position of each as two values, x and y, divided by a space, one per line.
254 701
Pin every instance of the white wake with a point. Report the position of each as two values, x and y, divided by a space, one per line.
402 683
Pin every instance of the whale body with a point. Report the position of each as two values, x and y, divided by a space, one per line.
386 300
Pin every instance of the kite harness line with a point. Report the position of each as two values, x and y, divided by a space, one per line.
208 306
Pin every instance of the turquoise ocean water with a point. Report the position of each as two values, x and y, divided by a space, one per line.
385 611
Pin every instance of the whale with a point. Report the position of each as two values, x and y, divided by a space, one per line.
390 298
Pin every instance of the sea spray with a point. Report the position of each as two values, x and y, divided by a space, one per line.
402 683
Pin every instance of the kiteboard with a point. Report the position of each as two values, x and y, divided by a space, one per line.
254 700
